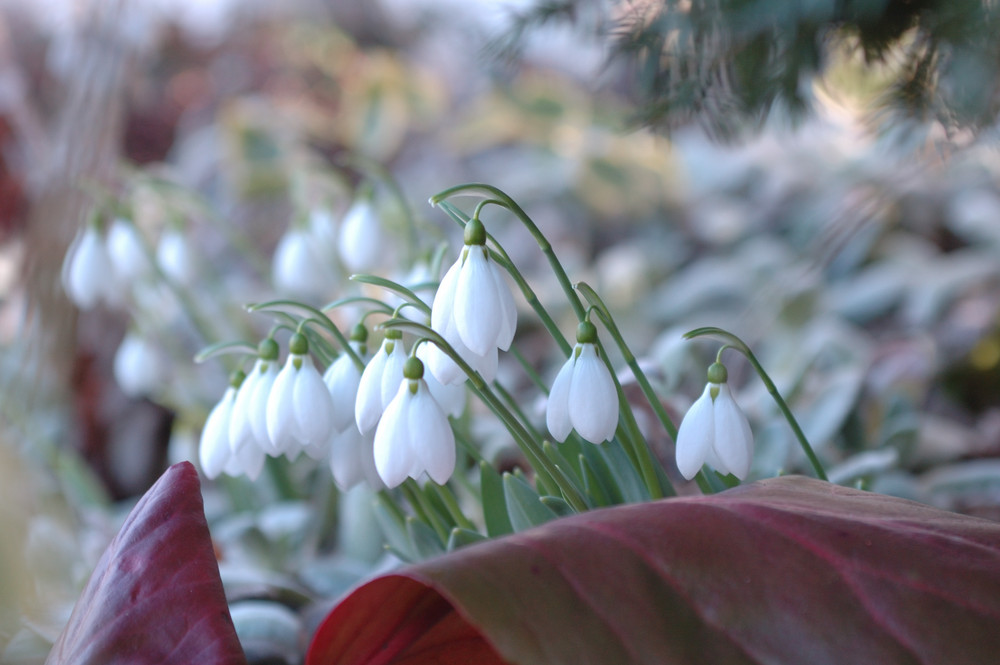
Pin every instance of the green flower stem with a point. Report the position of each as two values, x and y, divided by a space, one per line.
736 343
451 503
390 285
221 348
273 306
501 257
529 370
277 471
630 360
512 404
422 506
645 464
488 191
528 446
351 300
704 484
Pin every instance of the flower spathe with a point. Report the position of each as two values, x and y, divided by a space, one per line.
583 395
715 432
414 436
299 406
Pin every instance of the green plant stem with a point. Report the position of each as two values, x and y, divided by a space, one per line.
490 192
529 370
272 306
739 345
451 503
399 289
423 507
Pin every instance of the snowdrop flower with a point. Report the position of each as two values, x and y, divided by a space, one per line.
247 425
343 378
213 450
175 257
138 368
414 435
363 241
127 251
298 268
380 381
715 431
88 274
352 459
299 406
473 310
583 395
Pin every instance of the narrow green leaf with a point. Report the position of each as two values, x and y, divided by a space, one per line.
494 504
423 540
461 537
592 484
393 528
633 490
558 505
524 505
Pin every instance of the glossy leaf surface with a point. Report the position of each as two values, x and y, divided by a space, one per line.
788 570
155 595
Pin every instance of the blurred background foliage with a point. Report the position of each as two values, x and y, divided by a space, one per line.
849 229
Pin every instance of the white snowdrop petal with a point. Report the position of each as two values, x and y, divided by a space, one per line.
252 461
392 374
557 418
176 258
257 406
508 326
297 268
313 406
393 458
213 449
89 276
368 407
451 398
342 379
695 435
362 244
345 458
127 251
442 310
432 441
733 438
593 400
477 303
442 367
240 425
281 412
137 366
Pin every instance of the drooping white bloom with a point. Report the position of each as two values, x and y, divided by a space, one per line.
414 435
379 381
363 241
246 461
176 258
213 450
473 310
343 378
250 406
583 397
88 274
299 407
715 431
127 251
352 459
138 366
298 268
449 396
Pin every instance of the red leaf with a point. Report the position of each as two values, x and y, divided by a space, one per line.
155 595
788 570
